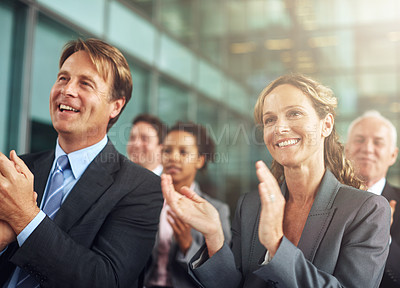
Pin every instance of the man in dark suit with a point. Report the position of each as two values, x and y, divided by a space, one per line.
371 146
102 231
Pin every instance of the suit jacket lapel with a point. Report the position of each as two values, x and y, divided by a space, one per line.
93 183
316 225
41 170
389 192
320 216
393 193
257 250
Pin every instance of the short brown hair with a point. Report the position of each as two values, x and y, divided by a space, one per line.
107 59
155 122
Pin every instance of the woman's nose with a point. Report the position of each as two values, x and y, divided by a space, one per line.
281 127
176 156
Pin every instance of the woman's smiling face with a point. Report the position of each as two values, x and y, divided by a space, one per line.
292 129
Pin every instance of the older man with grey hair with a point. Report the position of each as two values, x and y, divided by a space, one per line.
371 146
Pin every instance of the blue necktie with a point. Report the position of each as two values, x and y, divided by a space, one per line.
51 206
56 187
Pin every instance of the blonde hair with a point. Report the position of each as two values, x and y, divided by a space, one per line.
324 102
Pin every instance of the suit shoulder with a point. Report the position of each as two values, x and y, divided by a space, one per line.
34 156
31 157
136 170
355 193
353 197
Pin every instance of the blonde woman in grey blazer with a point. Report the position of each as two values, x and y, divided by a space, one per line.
314 231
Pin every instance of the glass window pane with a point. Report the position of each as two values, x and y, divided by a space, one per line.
237 98
145 6
212 179
176 60
210 80
119 133
132 32
236 12
278 16
6 22
213 27
89 15
177 16
238 167
376 85
173 103
49 41
375 49
333 49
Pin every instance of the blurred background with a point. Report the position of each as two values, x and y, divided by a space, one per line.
205 61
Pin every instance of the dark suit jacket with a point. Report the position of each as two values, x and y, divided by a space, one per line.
104 231
391 276
177 264
344 243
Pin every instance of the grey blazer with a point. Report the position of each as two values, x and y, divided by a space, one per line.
344 243
178 263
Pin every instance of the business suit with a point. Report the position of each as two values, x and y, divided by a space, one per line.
177 262
391 276
344 244
104 231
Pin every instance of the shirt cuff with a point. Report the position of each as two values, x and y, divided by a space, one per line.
203 257
267 259
21 238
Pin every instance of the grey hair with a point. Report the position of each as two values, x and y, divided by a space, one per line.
377 115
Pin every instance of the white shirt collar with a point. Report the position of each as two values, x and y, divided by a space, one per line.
377 188
158 170
80 159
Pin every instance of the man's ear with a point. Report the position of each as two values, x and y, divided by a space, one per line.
393 156
117 106
327 125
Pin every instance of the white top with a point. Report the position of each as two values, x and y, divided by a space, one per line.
377 188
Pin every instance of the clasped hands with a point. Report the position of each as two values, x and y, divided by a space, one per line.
17 198
196 212
202 216
182 232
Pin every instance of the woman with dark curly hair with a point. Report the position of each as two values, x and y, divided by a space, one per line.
187 148
317 229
